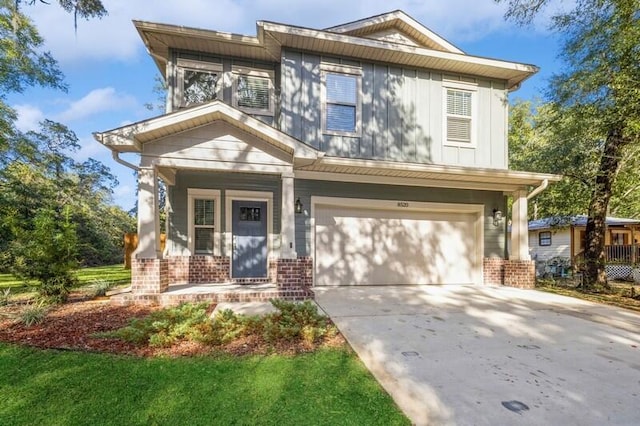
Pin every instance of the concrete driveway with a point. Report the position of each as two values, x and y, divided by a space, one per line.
494 355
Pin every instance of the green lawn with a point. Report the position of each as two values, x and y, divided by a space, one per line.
114 273
59 388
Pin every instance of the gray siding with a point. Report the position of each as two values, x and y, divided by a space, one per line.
402 114
178 227
494 236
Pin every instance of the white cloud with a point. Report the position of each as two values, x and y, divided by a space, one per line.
29 117
94 102
114 36
89 148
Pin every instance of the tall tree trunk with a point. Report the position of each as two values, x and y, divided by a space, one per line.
595 277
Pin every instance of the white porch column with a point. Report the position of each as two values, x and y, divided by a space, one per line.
519 227
287 214
148 215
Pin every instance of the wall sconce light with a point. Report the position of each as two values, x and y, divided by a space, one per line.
299 206
497 217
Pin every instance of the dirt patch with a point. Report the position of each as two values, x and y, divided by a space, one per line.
72 326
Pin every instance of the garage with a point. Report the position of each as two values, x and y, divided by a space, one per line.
373 242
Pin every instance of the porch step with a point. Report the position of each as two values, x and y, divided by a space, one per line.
213 293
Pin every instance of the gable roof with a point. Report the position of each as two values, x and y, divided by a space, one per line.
401 22
130 138
272 38
578 220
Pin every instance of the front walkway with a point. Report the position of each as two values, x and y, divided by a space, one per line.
494 355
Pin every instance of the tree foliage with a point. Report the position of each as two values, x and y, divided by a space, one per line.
598 95
55 212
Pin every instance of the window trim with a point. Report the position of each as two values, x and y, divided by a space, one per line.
345 70
545 238
192 65
203 194
462 87
253 72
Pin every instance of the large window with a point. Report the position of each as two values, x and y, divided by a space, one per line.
204 218
200 82
341 100
459 114
253 91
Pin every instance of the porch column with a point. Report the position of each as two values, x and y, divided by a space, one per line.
287 214
148 215
519 227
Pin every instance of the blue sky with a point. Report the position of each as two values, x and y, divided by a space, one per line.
111 77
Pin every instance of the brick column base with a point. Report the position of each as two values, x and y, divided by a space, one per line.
294 273
511 273
149 276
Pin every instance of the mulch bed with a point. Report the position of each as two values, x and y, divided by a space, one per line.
71 326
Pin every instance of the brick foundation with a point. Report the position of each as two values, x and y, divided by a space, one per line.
294 273
511 273
149 276
199 269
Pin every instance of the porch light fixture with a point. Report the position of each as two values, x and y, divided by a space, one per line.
299 206
497 217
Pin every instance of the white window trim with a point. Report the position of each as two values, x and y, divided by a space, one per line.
254 72
207 194
234 195
465 87
191 65
347 70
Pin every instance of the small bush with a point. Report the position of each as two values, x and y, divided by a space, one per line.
163 328
4 296
33 314
295 321
100 287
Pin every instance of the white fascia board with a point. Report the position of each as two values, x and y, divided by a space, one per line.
358 41
441 169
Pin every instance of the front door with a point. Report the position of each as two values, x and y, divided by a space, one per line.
249 228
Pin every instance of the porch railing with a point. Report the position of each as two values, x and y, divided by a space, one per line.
619 254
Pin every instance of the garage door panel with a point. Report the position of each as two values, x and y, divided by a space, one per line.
357 246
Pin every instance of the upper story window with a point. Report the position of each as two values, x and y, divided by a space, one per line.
544 238
341 99
199 82
459 114
253 91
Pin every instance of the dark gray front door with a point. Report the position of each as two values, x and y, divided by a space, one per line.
249 227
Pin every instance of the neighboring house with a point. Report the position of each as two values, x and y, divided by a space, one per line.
565 237
370 153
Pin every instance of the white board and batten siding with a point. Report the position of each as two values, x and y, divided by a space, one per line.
402 114
560 244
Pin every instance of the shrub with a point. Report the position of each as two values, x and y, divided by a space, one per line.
163 328
295 321
4 296
100 287
34 314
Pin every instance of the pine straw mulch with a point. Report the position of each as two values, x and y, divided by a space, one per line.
71 326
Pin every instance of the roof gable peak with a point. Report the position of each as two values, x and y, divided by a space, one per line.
397 27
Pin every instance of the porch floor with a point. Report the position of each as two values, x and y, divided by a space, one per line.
213 293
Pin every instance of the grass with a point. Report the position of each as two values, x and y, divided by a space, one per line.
326 387
619 296
116 274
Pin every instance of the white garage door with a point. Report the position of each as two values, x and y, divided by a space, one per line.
364 246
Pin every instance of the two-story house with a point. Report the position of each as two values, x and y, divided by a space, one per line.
370 153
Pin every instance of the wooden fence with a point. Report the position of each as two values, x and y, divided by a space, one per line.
131 243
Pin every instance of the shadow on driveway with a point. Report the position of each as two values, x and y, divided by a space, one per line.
493 355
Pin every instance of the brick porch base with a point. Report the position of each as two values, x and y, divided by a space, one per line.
511 273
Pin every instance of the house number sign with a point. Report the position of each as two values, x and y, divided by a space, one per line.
403 204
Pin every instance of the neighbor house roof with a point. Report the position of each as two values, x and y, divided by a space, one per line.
578 220
355 40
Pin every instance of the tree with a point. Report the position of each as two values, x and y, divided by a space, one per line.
599 91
